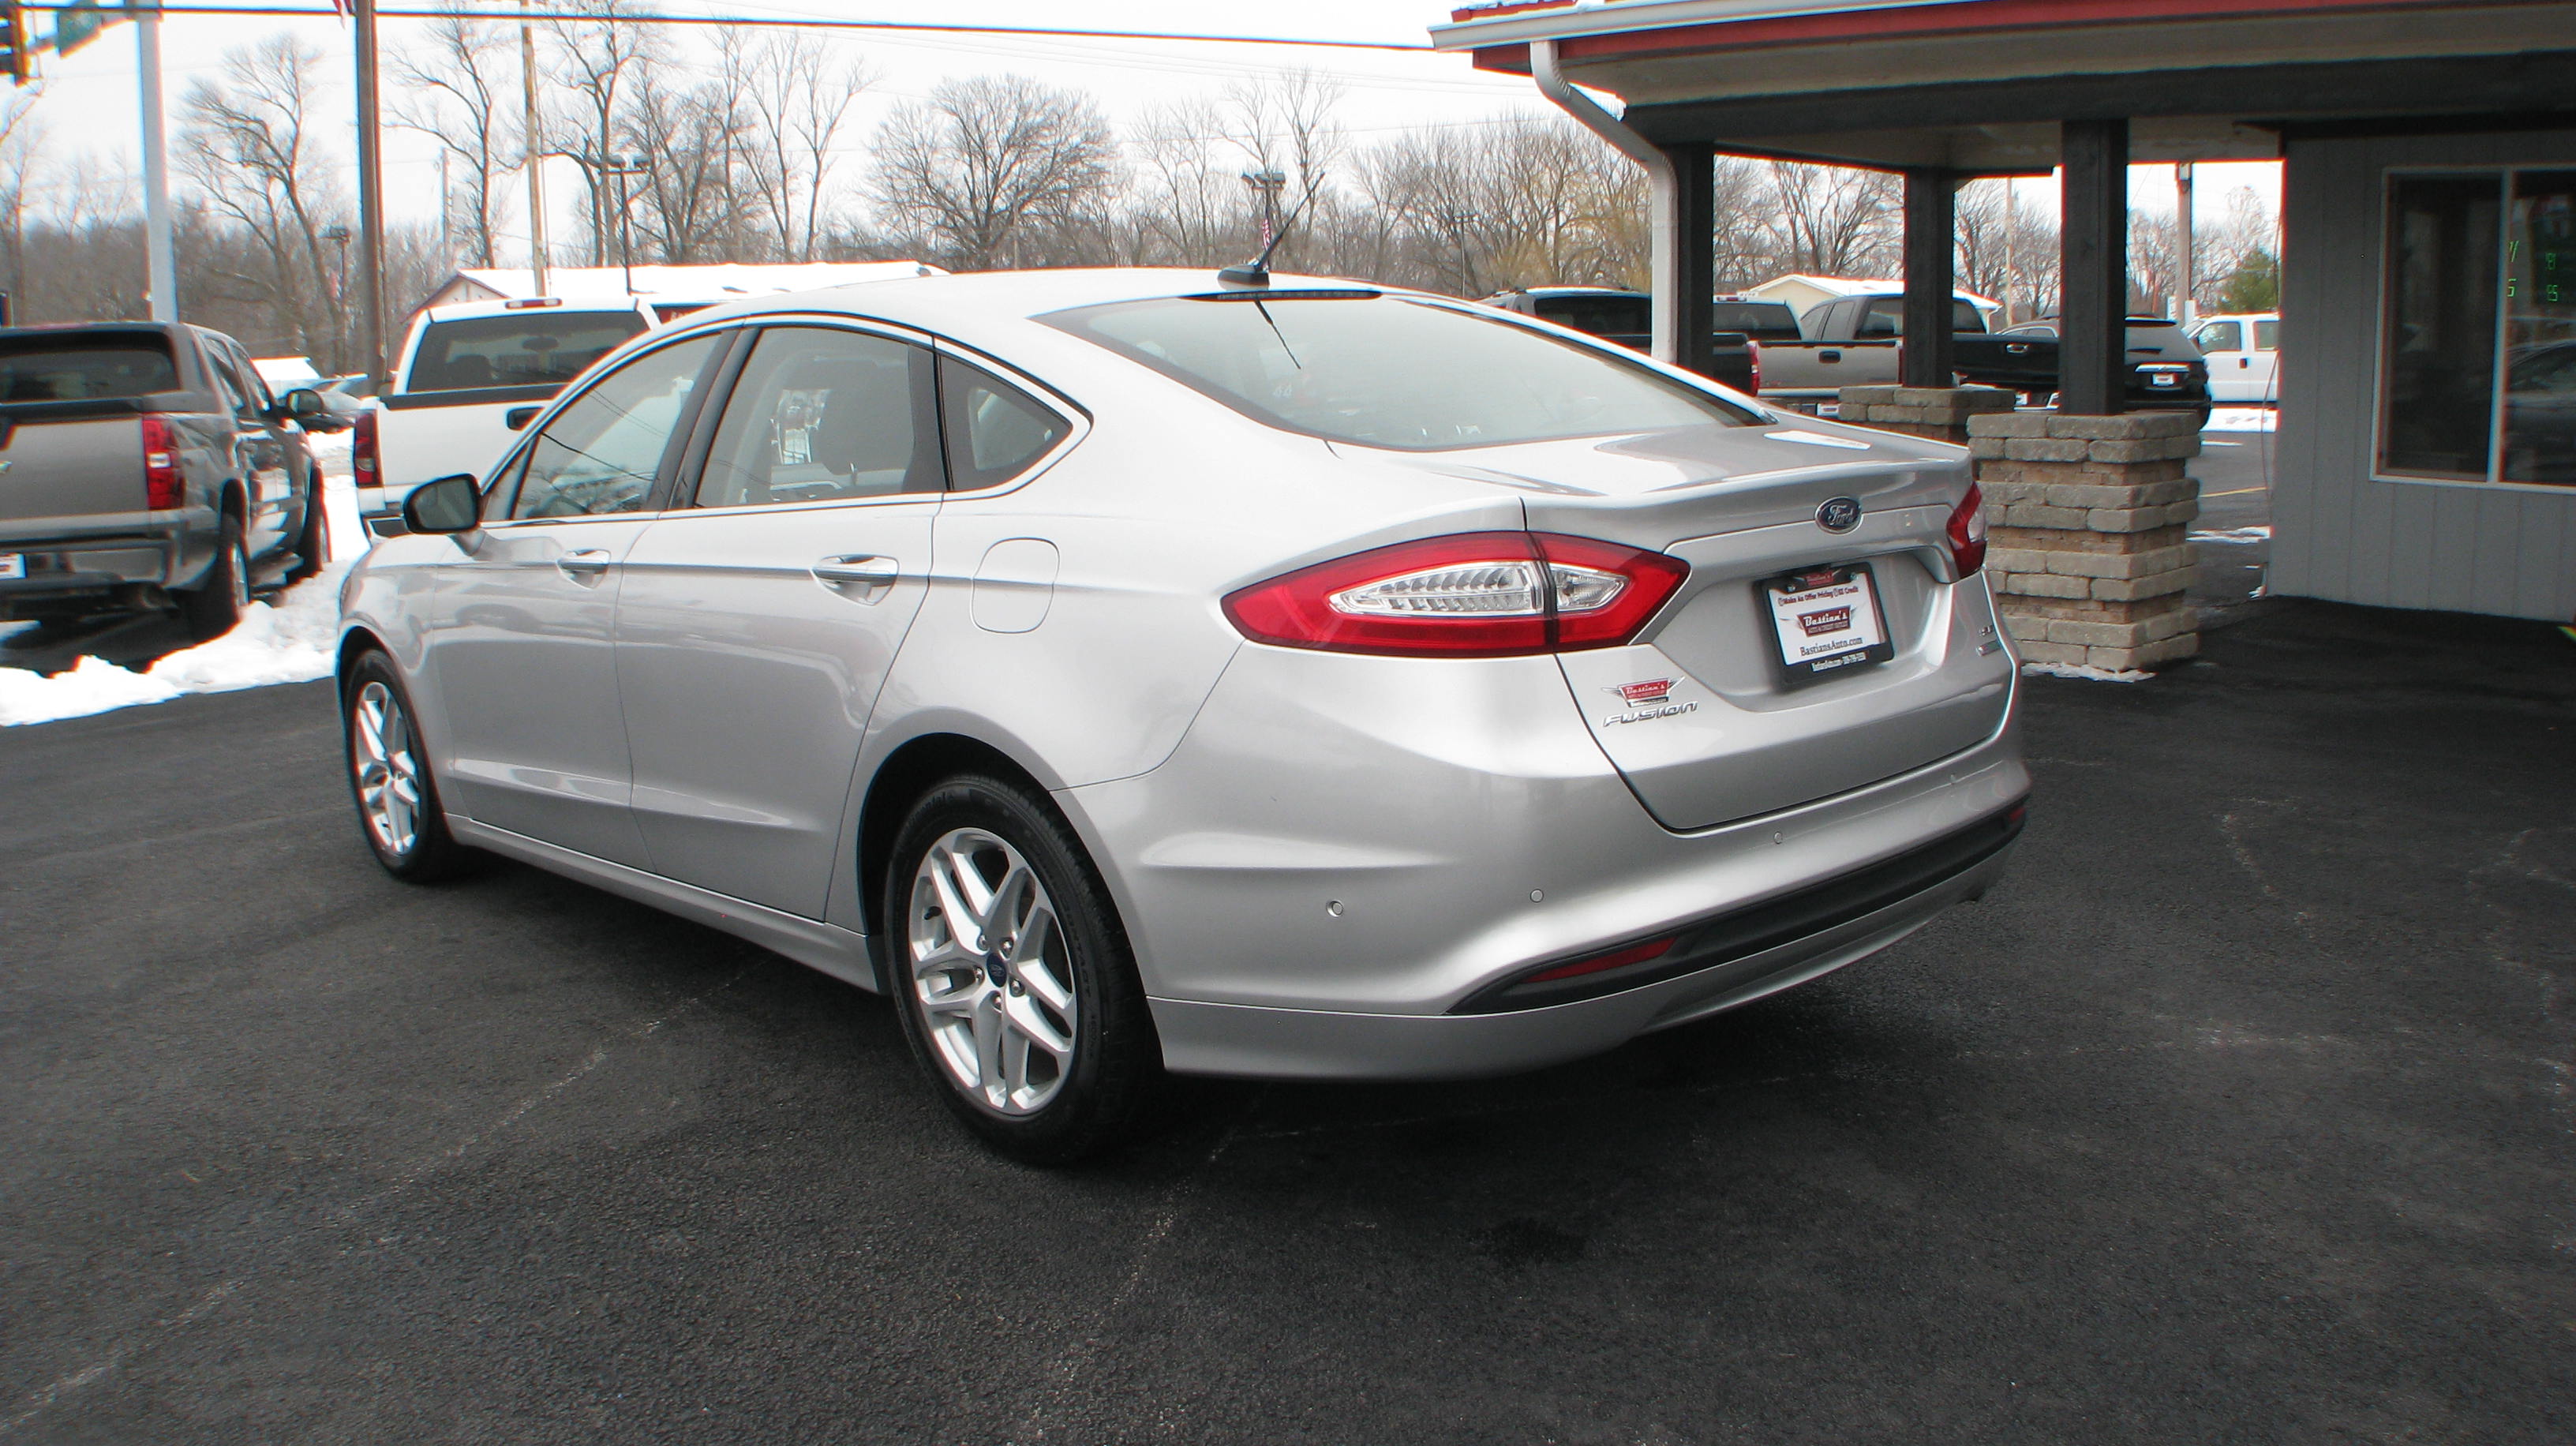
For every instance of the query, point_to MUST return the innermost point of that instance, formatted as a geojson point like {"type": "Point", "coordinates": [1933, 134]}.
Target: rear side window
{"type": "Point", "coordinates": [1599, 315]}
{"type": "Point", "coordinates": [2267, 336]}
{"type": "Point", "coordinates": [1392, 372]}
{"type": "Point", "coordinates": [1887, 317]}
{"type": "Point", "coordinates": [520, 349]}
{"type": "Point", "coordinates": [823, 415]}
{"type": "Point", "coordinates": [43, 368]}
{"type": "Point", "coordinates": [1761, 320]}
{"type": "Point", "coordinates": [995, 430]}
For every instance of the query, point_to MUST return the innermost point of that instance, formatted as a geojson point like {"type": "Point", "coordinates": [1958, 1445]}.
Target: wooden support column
{"type": "Point", "coordinates": [2092, 324]}
{"type": "Point", "coordinates": [1694, 253]}
{"type": "Point", "coordinates": [1931, 240]}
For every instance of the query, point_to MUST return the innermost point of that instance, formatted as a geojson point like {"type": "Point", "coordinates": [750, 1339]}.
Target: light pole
{"type": "Point", "coordinates": [621, 167]}
{"type": "Point", "coordinates": [1265, 187]}
{"type": "Point", "coordinates": [339, 236]}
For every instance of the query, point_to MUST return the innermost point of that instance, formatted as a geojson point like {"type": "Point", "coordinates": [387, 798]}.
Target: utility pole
{"type": "Point", "coordinates": [2184, 308]}
{"type": "Point", "coordinates": [2012, 248]}
{"type": "Point", "coordinates": [535, 150]}
{"type": "Point", "coordinates": [371, 199]}
{"type": "Point", "coordinates": [161, 265]}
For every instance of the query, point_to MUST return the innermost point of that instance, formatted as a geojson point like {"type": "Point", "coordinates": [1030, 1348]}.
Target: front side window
{"type": "Point", "coordinates": [2221, 336]}
{"type": "Point", "coordinates": [822, 415]}
{"type": "Point", "coordinates": [536, 347]}
{"type": "Point", "coordinates": [602, 452]}
{"type": "Point", "coordinates": [1387, 371]}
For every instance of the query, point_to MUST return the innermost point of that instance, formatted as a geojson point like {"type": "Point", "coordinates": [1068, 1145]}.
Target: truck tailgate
{"type": "Point", "coordinates": [68, 469]}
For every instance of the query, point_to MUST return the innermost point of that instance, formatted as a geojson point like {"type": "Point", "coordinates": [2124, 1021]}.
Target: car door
{"type": "Point", "coordinates": [262, 452]}
{"type": "Point", "coordinates": [2231, 362]}
{"type": "Point", "coordinates": [521, 636]}
{"type": "Point", "coordinates": [761, 614]}
{"type": "Point", "coordinates": [2266, 361]}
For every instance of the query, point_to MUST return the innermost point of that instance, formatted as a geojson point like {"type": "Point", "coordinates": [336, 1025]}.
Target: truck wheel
{"type": "Point", "coordinates": [1013, 977]}
{"type": "Point", "coordinates": [313, 539]}
{"type": "Point", "coordinates": [389, 778]}
{"type": "Point", "coordinates": [212, 607]}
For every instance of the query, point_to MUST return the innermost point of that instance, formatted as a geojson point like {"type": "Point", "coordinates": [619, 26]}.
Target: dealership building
{"type": "Point", "coordinates": [2426, 455]}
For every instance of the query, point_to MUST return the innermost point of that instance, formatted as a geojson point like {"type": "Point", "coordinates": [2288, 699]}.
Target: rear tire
{"type": "Point", "coordinates": [313, 539]}
{"type": "Point", "coordinates": [212, 607]}
{"type": "Point", "coordinates": [1012, 974]}
{"type": "Point", "coordinates": [389, 778]}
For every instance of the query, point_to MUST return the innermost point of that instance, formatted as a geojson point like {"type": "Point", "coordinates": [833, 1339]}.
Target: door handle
{"type": "Point", "coordinates": [1829, 356]}
{"type": "Point", "coordinates": [583, 566]}
{"type": "Point", "coordinates": [860, 576]}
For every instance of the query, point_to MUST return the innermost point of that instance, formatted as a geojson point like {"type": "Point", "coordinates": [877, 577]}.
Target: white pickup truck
{"type": "Point", "coordinates": [463, 370]}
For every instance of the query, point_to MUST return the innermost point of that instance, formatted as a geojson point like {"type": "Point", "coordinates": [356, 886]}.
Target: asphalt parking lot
{"type": "Point", "coordinates": [2244, 1111]}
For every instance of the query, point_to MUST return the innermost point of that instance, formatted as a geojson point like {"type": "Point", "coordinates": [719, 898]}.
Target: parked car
{"type": "Point", "coordinates": [464, 373]}
{"type": "Point", "coordinates": [2244, 354]}
{"type": "Point", "coordinates": [147, 465]}
{"type": "Point", "coordinates": [1626, 317]}
{"type": "Point", "coordinates": [1855, 341]}
{"type": "Point", "coordinates": [1130, 672]}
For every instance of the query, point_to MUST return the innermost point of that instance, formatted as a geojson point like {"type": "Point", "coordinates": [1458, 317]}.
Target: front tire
{"type": "Point", "coordinates": [389, 778]}
{"type": "Point", "coordinates": [1012, 975]}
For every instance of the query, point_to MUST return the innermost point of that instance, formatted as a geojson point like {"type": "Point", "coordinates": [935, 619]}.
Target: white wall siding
{"type": "Point", "coordinates": [2336, 533]}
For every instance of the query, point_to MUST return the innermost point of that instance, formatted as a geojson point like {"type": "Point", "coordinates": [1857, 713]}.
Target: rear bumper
{"type": "Point", "coordinates": [64, 572]}
{"type": "Point", "coordinates": [1226, 1039]}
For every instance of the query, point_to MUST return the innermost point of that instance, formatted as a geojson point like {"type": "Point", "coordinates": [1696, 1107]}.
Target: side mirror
{"type": "Point", "coordinates": [518, 418]}
{"type": "Point", "coordinates": [304, 404]}
{"type": "Point", "coordinates": [450, 504]}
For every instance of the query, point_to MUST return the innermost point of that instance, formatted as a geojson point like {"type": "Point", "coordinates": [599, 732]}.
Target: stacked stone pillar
{"type": "Point", "coordinates": [1940, 413]}
{"type": "Point", "coordinates": [2086, 544]}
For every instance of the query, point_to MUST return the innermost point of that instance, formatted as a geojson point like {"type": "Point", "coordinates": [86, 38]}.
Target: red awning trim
{"type": "Point", "coordinates": [1966, 17]}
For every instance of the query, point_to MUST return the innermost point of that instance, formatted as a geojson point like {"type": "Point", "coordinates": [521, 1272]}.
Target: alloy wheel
{"type": "Point", "coordinates": [991, 973]}
{"type": "Point", "coordinates": [388, 768]}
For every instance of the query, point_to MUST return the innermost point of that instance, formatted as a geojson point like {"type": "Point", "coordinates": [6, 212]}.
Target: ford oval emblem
{"type": "Point", "coordinates": [1838, 514]}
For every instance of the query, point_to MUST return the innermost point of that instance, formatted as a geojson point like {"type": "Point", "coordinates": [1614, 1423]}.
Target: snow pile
{"type": "Point", "coordinates": [2241, 419]}
{"type": "Point", "coordinates": [2090, 675]}
{"type": "Point", "coordinates": [288, 642]}
{"type": "Point", "coordinates": [2235, 534]}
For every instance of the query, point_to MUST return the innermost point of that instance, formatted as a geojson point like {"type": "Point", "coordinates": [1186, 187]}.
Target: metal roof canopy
{"type": "Point", "coordinates": [1982, 87]}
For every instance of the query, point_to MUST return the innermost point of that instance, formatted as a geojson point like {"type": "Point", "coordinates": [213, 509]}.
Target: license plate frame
{"type": "Point", "coordinates": [1800, 606]}
{"type": "Point", "coordinates": [13, 566]}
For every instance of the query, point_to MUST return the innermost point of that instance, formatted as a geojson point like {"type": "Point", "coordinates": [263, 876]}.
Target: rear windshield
{"type": "Point", "coordinates": [1390, 372]}
{"type": "Point", "coordinates": [519, 349]}
{"type": "Point", "coordinates": [1599, 315]}
{"type": "Point", "coordinates": [74, 368]}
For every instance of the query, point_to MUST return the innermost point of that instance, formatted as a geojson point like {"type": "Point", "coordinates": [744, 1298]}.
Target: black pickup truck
{"type": "Point", "coordinates": [1625, 317]}
{"type": "Point", "coordinates": [1854, 340]}
{"type": "Point", "coordinates": [145, 464]}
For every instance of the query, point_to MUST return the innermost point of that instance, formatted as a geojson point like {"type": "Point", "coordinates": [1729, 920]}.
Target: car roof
{"type": "Point", "coordinates": [461, 310]}
{"type": "Point", "coordinates": [940, 303]}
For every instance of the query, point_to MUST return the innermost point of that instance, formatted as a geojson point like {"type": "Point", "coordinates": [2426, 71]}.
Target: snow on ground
{"type": "Point", "coordinates": [2259, 533]}
{"type": "Point", "coordinates": [286, 641]}
{"type": "Point", "coordinates": [2078, 670]}
{"type": "Point", "coordinates": [2242, 419]}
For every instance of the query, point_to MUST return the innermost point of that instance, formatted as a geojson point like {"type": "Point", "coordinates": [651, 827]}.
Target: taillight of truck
{"type": "Point", "coordinates": [162, 487]}
{"type": "Point", "coordinates": [362, 450]}
{"type": "Point", "coordinates": [1753, 350]}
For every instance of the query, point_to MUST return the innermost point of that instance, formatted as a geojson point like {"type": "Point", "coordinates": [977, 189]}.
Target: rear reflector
{"type": "Point", "coordinates": [1468, 595]}
{"type": "Point", "coordinates": [163, 487]}
{"type": "Point", "coordinates": [1598, 963]}
{"type": "Point", "coordinates": [1967, 532]}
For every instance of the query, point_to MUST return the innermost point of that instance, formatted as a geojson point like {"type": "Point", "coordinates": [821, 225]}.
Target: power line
{"type": "Point", "coordinates": [779, 21]}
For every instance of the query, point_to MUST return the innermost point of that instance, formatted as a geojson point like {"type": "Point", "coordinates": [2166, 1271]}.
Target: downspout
{"type": "Point", "coordinates": [1663, 205]}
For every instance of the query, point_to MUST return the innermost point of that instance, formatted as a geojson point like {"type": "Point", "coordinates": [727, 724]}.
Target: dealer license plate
{"type": "Point", "coordinates": [13, 564]}
{"type": "Point", "coordinates": [1827, 621]}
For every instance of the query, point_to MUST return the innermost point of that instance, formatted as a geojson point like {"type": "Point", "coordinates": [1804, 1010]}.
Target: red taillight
{"type": "Point", "coordinates": [1601, 963]}
{"type": "Point", "coordinates": [1753, 350]}
{"type": "Point", "coordinates": [1468, 595]}
{"type": "Point", "coordinates": [362, 450]}
{"type": "Point", "coordinates": [162, 488]}
{"type": "Point", "coordinates": [1968, 533]}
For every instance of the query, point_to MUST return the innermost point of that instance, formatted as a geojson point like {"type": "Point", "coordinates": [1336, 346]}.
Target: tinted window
{"type": "Point", "coordinates": [1390, 372]}
{"type": "Point", "coordinates": [2437, 407]}
{"type": "Point", "coordinates": [821, 414]}
{"type": "Point", "coordinates": [1887, 317]}
{"type": "Point", "coordinates": [995, 430]}
{"type": "Point", "coordinates": [43, 368]}
{"type": "Point", "coordinates": [1761, 320]}
{"type": "Point", "coordinates": [2221, 336]}
{"type": "Point", "coordinates": [603, 450]}
{"type": "Point", "coordinates": [519, 349]}
{"type": "Point", "coordinates": [1599, 315]}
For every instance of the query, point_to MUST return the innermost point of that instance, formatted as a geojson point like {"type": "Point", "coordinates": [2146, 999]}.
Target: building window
{"type": "Point", "coordinates": [2478, 328]}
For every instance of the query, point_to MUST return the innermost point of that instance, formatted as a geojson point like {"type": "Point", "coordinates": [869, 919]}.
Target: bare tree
{"type": "Point", "coordinates": [986, 167]}
{"type": "Point", "coordinates": [1189, 206]}
{"type": "Point", "coordinates": [459, 89]}
{"type": "Point", "coordinates": [687, 136]}
{"type": "Point", "coordinates": [1833, 220]}
{"type": "Point", "coordinates": [248, 144]}
{"type": "Point", "coordinates": [596, 58]}
{"type": "Point", "coordinates": [795, 100]}
{"type": "Point", "coordinates": [21, 138]}
{"type": "Point", "coordinates": [1283, 124]}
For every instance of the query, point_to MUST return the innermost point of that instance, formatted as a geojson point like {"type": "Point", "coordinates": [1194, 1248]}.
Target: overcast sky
{"type": "Point", "coordinates": [89, 109]}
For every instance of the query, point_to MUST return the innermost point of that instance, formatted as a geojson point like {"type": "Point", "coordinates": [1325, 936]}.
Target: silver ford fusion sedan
{"type": "Point", "coordinates": [1134, 671]}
